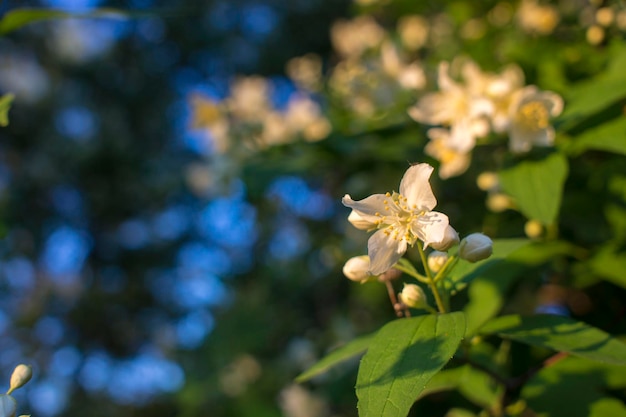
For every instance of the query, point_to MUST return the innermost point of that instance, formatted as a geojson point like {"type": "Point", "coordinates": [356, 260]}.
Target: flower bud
{"type": "Point", "coordinates": [450, 238]}
{"type": "Point", "coordinates": [436, 260]}
{"type": "Point", "coordinates": [21, 375]}
{"type": "Point", "coordinates": [357, 269]}
{"type": "Point", "coordinates": [358, 221]}
{"type": "Point", "coordinates": [8, 406]}
{"type": "Point", "coordinates": [413, 296]}
{"type": "Point", "coordinates": [533, 229]}
{"type": "Point", "coordinates": [475, 247]}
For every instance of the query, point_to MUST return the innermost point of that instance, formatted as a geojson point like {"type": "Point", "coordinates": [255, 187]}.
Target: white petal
{"type": "Point", "coordinates": [416, 188]}
{"type": "Point", "coordinates": [8, 406]}
{"type": "Point", "coordinates": [431, 228]}
{"type": "Point", "coordinates": [444, 81]}
{"type": "Point", "coordinates": [361, 222]}
{"type": "Point", "coordinates": [368, 207]}
{"type": "Point", "coordinates": [384, 252]}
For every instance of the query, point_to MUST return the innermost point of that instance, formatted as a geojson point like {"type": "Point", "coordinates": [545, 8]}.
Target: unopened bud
{"type": "Point", "coordinates": [450, 238]}
{"type": "Point", "coordinates": [487, 181]}
{"type": "Point", "coordinates": [436, 260]}
{"type": "Point", "coordinates": [533, 229]}
{"type": "Point", "coordinates": [357, 269]}
{"type": "Point", "coordinates": [358, 221]}
{"type": "Point", "coordinates": [475, 247]}
{"type": "Point", "coordinates": [21, 375]}
{"type": "Point", "coordinates": [413, 296]}
{"type": "Point", "coordinates": [8, 406]}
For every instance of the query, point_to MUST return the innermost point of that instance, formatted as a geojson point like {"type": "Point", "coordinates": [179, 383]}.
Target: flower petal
{"type": "Point", "coordinates": [416, 188]}
{"type": "Point", "coordinates": [369, 206]}
{"type": "Point", "coordinates": [361, 222]}
{"type": "Point", "coordinates": [431, 228]}
{"type": "Point", "coordinates": [384, 251]}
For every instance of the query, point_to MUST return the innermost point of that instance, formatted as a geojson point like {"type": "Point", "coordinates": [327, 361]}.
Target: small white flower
{"type": "Point", "coordinates": [401, 218]}
{"type": "Point", "coordinates": [452, 161]}
{"type": "Point", "coordinates": [476, 247]}
{"type": "Point", "coordinates": [530, 118]}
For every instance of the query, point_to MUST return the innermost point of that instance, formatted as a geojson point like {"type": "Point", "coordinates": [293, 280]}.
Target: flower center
{"type": "Point", "coordinates": [398, 218]}
{"type": "Point", "coordinates": [533, 116]}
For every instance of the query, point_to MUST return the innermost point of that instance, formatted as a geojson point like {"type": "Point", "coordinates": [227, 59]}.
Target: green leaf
{"type": "Point", "coordinates": [475, 385]}
{"type": "Point", "coordinates": [593, 95]}
{"type": "Point", "coordinates": [402, 358]}
{"type": "Point", "coordinates": [446, 380]}
{"type": "Point", "coordinates": [562, 334]}
{"type": "Point", "coordinates": [575, 386]}
{"type": "Point", "coordinates": [610, 264]}
{"type": "Point", "coordinates": [464, 272]}
{"type": "Point", "coordinates": [479, 388]}
{"type": "Point", "coordinates": [537, 186]}
{"type": "Point", "coordinates": [17, 18]}
{"type": "Point", "coordinates": [337, 356]}
{"type": "Point", "coordinates": [5, 105]}
{"type": "Point", "coordinates": [488, 290]}
{"type": "Point", "coordinates": [609, 136]}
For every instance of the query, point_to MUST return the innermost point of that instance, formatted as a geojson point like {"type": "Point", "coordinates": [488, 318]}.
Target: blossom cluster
{"type": "Point", "coordinates": [248, 118]}
{"type": "Point", "coordinates": [481, 103]}
{"type": "Point", "coordinates": [375, 76]}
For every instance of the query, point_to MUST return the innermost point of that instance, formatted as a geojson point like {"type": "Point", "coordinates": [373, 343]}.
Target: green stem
{"type": "Point", "coordinates": [431, 282]}
{"type": "Point", "coordinates": [412, 273]}
{"type": "Point", "coordinates": [452, 260]}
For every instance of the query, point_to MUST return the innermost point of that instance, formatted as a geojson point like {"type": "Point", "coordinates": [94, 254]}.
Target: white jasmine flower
{"type": "Point", "coordinates": [530, 115]}
{"type": "Point", "coordinates": [401, 218]}
{"type": "Point", "coordinates": [456, 106]}
{"type": "Point", "coordinates": [452, 161]}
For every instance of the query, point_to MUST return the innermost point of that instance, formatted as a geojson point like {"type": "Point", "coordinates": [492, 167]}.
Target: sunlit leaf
{"type": "Point", "coordinates": [560, 333]}
{"type": "Point", "coordinates": [473, 384]}
{"type": "Point", "coordinates": [609, 136]}
{"type": "Point", "coordinates": [5, 105]}
{"type": "Point", "coordinates": [537, 186]}
{"type": "Point", "coordinates": [479, 388]}
{"type": "Point", "coordinates": [17, 18]}
{"type": "Point", "coordinates": [349, 350]}
{"type": "Point", "coordinates": [610, 264]}
{"type": "Point", "coordinates": [593, 95]}
{"type": "Point", "coordinates": [574, 384]}
{"type": "Point", "coordinates": [402, 358]}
